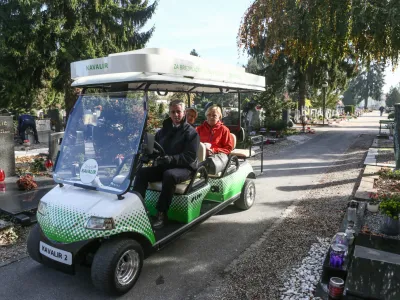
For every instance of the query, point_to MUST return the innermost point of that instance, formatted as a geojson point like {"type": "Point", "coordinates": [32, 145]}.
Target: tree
{"type": "Point", "coordinates": [194, 53]}
{"type": "Point", "coordinates": [322, 33]}
{"type": "Point", "coordinates": [368, 83]}
{"type": "Point", "coordinates": [24, 55]}
{"type": "Point", "coordinates": [46, 36]}
{"type": "Point", "coordinates": [393, 97]}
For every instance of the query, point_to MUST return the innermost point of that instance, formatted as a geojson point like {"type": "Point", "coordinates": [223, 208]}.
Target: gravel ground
{"type": "Point", "coordinates": [17, 250]}
{"type": "Point", "coordinates": [385, 157]}
{"type": "Point", "coordinates": [260, 271]}
{"type": "Point", "coordinates": [374, 222]}
{"type": "Point", "coordinates": [383, 143]}
{"type": "Point", "coordinates": [303, 280]}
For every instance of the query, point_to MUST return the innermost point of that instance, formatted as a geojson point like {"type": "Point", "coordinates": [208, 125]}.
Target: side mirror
{"type": "Point", "coordinates": [148, 145]}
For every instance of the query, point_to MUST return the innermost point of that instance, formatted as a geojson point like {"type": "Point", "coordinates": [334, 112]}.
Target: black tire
{"type": "Point", "coordinates": [248, 195]}
{"type": "Point", "coordinates": [105, 265]}
{"type": "Point", "coordinates": [33, 243]}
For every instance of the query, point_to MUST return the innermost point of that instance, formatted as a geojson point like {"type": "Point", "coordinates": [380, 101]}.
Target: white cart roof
{"type": "Point", "coordinates": [165, 70]}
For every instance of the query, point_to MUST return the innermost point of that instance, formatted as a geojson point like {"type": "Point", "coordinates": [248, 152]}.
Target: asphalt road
{"type": "Point", "coordinates": [185, 267]}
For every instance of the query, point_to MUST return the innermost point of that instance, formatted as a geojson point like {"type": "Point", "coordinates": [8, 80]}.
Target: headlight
{"type": "Point", "coordinates": [98, 223]}
{"type": "Point", "coordinates": [42, 208]}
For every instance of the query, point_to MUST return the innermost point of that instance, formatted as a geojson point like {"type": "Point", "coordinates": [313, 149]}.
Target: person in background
{"type": "Point", "coordinates": [381, 109]}
{"type": "Point", "coordinates": [191, 115]}
{"type": "Point", "coordinates": [24, 122]}
{"type": "Point", "coordinates": [180, 143]}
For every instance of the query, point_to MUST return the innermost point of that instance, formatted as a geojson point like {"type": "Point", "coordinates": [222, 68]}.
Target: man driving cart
{"type": "Point", "coordinates": [180, 142]}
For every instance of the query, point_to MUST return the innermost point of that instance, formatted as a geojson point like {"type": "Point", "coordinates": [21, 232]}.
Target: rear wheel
{"type": "Point", "coordinates": [33, 243]}
{"type": "Point", "coordinates": [248, 195]}
{"type": "Point", "coordinates": [117, 265]}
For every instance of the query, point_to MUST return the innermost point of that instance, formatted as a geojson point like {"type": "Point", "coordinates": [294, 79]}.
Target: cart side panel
{"type": "Point", "coordinates": [184, 208]}
{"type": "Point", "coordinates": [225, 188]}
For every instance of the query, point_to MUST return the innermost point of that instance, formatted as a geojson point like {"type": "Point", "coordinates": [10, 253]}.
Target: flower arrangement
{"type": "Point", "coordinates": [374, 198]}
{"type": "Point", "coordinates": [26, 183]}
{"type": "Point", "coordinates": [373, 203]}
{"type": "Point", "coordinates": [119, 159]}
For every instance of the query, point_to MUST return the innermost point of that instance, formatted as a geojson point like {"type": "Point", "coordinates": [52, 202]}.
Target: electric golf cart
{"type": "Point", "coordinates": [93, 215]}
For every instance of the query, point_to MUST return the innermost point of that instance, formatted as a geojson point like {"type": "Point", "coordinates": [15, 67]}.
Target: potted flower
{"type": "Point", "coordinates": [373, 203]}
{"type": "Point", "coordinates": [390, 208]}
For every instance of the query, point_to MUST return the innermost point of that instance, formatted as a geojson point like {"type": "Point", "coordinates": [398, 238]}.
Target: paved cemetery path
{"type": "Point", "coordinates": [184, 268]}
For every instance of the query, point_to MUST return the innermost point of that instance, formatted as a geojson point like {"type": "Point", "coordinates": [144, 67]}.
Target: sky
{"type": "Point", "coordinates": [210, 27]}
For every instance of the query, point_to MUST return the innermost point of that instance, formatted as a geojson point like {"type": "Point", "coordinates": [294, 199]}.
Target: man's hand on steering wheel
{"type": "Point", "coordinates": [163, 160]}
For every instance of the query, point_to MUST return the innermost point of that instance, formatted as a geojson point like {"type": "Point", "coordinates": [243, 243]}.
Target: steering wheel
{"type": "Point", "coordinates": [158, 150]}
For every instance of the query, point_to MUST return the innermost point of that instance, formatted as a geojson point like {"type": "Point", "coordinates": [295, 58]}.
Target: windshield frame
{"type": "Point", "coordinates": [135, 162]}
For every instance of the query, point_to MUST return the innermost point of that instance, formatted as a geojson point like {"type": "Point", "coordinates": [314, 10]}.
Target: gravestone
{"type": "Point", "coordinates": [7, 157]}
{"type": "Point", "coordinates": [286, 115]}
{"type": "Point", "coordinates": [43, 129]}
{"type": "Point", "coordinates": [374, 271]}
{"type": "Point", "coordinates": [54, 146]}
{"type": "Point", "coordinates": [56, 119]}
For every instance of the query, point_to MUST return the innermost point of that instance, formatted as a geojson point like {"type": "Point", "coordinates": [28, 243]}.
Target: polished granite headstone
{"type": "Point", "coordinates": [14, 201]}
{"type": "Point", "coordinates": [374, 272]}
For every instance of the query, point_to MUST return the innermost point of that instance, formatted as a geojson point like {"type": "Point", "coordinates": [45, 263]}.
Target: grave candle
{"type": "Point", "coordinates": [2, 175]}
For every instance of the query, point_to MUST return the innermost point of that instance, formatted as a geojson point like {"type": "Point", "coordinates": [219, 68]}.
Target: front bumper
{"type": "Point", "coordinates": [77, 249]}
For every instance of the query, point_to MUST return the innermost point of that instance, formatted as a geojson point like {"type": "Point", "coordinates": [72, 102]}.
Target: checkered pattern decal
{"type": "Point", "coordinates": [184, 208]}
{"type": "Point", "coordinates": [230, 185]}
{"type": "Point", "coordinates": [67, 225]}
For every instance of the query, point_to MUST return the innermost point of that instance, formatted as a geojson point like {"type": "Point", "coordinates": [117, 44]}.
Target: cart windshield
{"type": "Point", "coordinates": [101, 141]}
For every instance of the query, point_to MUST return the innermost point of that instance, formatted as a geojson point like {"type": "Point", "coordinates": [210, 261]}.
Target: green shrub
{"type": "Point", "coordinates": [391, 115]}
{"type": "Point", "coordinates": [37, 166]}
{"type": "Point", "coordinates": [349, 109]}
{"type": "Point", "coordinates": [389, 174]}
{"type": "Point", "coordinates": [277, 125]}
{"type": "Point", "coordinates": [390, 207]}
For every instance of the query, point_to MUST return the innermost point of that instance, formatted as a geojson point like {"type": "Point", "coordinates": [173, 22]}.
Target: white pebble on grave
{"type": "Point", "coordinates": [302, 280]}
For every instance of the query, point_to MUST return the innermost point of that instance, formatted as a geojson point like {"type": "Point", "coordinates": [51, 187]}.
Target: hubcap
{"type": "Point", "coordinates": [250, 195]}
{"type": "Point", "coordinates": [127, 267]}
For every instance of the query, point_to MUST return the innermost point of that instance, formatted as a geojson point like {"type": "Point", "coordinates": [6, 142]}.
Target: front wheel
{"type": "Point", "coordinates": [248, 195]}
{"type": "Point", "coordinates": [33, 244]}
{"type": "Point", "coordinates": [117, 265]}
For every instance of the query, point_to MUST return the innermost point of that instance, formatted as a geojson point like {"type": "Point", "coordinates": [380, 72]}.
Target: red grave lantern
{"type": "Point", "coordinates": [2, 186]}
{"type": "Point", "coordinates": [2, 175]}
{"type": "Point", "coordinates": [48, 164]}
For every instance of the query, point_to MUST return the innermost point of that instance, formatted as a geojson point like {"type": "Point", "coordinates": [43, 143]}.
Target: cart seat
{"type": "Point", "coordinates": [241, 153]}
{"type": "Point", "coordinates": [251, 151]}
{"type": "Point", "coordinates": [181, 188]}
{"type": "Point", "coordinates": [231, 168]}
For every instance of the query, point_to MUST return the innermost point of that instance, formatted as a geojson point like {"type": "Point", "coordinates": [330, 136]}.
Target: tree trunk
{"type": "Point", "coordinates": [302, 90]}
{"type": "Point", "coordinates": [71, 95]}
{"type": "Point", "coordinates": [366, 92]}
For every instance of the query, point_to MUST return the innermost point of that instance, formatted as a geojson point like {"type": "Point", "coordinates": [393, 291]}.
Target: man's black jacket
{"type": "Point", "coordinates": [181, 143]}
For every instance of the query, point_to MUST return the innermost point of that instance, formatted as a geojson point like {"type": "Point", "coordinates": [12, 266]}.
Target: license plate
{"type": "Point", "coordinates": [61, 256]}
